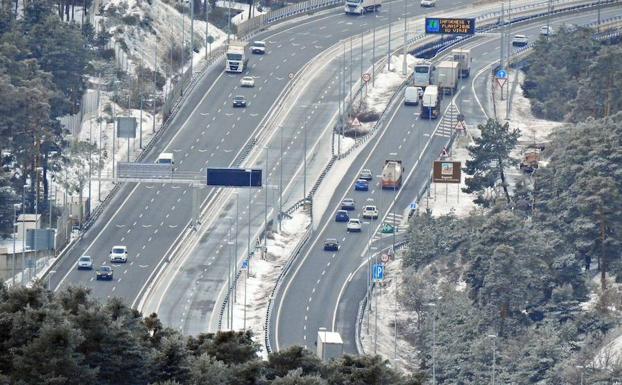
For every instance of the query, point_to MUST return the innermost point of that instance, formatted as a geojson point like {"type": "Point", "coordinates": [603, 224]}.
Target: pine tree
{"type": "Point", "coordinates": [489, 157]}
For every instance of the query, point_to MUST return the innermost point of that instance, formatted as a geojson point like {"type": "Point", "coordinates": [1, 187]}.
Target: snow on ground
{"type": "Point", "coordinates": [343, 144]}
{"type": "Point", "coordinates": [444, 198]}
{"type": "Point", "coordinates": [263, 275]}
{"type": "Point", "coordinates": [167, 22]}
{"type": "Point", "coordinates": [386, 310]}
{"type": "Point", "coordinates": [242, 16]}
{"type": "Point", "coordinates": [387, 83]}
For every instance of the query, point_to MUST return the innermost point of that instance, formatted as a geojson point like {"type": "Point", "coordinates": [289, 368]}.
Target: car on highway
{"type": "Point", "coordinates": [354, 225]}
{"type": "Point", "coordinates": [247, 81]}
{"type": "Point", "coordinates": [104, 272]}
{"type": "Point", "coordinates": [520, 40]}
{"type": "Point", "coordinates": [370, 212]}
{"type": "Point", "coordinates": [239, 101]}
{"type": "Point", "coordinates": [258, 47]}
{"type": "Point", "coordinates": [342, 216]}
{"type": "Point", "coordinates": [428, 3]}
{"type": "Point", "coordinates": [331, 244]}
{"type": "Point", "coordinates": [366, 174]}
{"type": "Point", "coordinates": [85, 262]}
{"type": "Point", "coordinates": [361, 185]}
{"type": "Point", "coordinates": [547, 30]}
{"type": "Point", "coordinates": [118, 254]}
{"type": "Point", "coordinates": [348, 204]}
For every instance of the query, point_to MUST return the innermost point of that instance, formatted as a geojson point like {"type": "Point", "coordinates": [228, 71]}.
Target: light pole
{"type": "Point", "coordinates": [229, 275]}
{"type": "Point", "coordinates": [248, 243]}
{"type": "Point", "coordinates": [281, 178]}
{"type": "Point", "coordinates": [14, 233]}
{"type": "Point", "coordinates": [404, 63]}
{"type": "Point", "coordinates": [494, 355]}
{"type": "Point", "coordinates": [389, 46]}
{"type": "Point", "coordinates": [432, 304]}
{"type": "Point", "coordinates": [304, 178]}
{"type": "Point", "coordinates": [581, 367]}
{"type": "Point", "coordinates": [23, 234]}
{"type": "Point", "coordinates": [265, 212]}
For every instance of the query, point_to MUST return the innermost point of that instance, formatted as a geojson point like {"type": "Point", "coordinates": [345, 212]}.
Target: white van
{"type": "Point", "coordinates": [166, 158]}
{"type": "Point", "coordinates": [411, 96]}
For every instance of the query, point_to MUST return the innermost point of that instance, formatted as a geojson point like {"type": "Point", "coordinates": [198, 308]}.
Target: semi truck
{"type": "Point", "coordinates": [422, 73]}
{"type": "Point", "coordinates": [463, 56]}
{"type": "Point", "coordinates": [359, 7]}
{"type": "Point", "coordinates": [431, 103]}
{"type": "Point", "coordinates": [236, 56]}
{"type": "Point", "coordinates": [329, 345]}
{"type": "Point", "coordinates": [392, 174]}
{"type": "Point", "coordinates": [448, 72]}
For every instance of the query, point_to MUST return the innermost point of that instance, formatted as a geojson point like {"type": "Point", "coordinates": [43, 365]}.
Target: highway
{"type": "Point", "coordinates": [206, 131]}
{"type": "Point", "coordinates": [318, 292]}
{"type": "Point", "coordinates": [191, 289]}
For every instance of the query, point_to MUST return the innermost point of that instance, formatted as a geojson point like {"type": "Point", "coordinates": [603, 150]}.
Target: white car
{"type": "Point", "coordinates": [258, 47]}
{"type": "Point", "coordinates": [354, 224]}
{"type": "Point", "coordinates": [428, 3]}
{"type": "Point", "coordinates": [85, 262]}
{"type": "Point", "coordinates": [547, 30]}
{"type": "Point", "coordinates": [247, 81]}
{"type": "Point", "coordinates": [118, 254]}
{"type": "Point", "coordinates": [520, 40]}
{"type": "Point", "coordinates": [370, 212]}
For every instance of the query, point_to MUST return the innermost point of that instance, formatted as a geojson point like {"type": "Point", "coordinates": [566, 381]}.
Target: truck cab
{"type": "Point", "coordinates": [236, 59]}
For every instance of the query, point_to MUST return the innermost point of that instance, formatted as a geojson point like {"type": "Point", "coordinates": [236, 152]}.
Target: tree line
{"type": "Point", "coordinates": [71, 338]}
{"type": "Point", "coordinates": [43, 63]}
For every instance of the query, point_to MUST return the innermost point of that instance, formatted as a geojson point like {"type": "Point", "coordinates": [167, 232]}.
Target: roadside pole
{"type": "Point", "coordinates": [404, 62]}
{"type": "Point", "coordinates": [248, 243]}
{"type": "Point", "coordinates": [389, 45]}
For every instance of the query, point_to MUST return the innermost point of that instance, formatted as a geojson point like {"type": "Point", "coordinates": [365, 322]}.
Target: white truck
{"type": "Point", "coordinates": [431, 103]}
{"type": "Point", "coordinates": [236, 56]}
{"type": "Point", "coordinates": [329, 345]}
{"type": "Point", "coordinates": [422, 73]}
{"type": "Point", "coordinates": [463, 56]}
{"type": "Point", "coordinates": [359, 7]}
{"type": "Point", "coordinates": [448, 73]}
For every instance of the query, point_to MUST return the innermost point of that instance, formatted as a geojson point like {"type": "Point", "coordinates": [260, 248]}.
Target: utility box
{"type": "Point", "coordinates": [329, 345]}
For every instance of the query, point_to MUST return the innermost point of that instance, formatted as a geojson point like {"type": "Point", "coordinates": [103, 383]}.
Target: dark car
{"type": "Point", "coordinates": [342, 216]}
{"type": "Point", "coordinates": [239, 101]}
{"type": "Point", "coordinates": [331, 244]}
{"type": "Point", "coordinates": [104, 272]}
{"type": "Point", "coordinates": [361, 185]}
{"type": "Point", "coordinates": [348, 204]}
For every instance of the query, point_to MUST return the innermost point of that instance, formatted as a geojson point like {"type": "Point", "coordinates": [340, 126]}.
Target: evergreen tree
{"type": "Point", "coordinates": [489, 157]}
{"type": "Point", "coordinates": [295, 357]}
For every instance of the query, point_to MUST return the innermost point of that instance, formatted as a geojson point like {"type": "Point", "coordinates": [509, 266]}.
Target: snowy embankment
{"type": "Point", "coordinates": [263, 274]}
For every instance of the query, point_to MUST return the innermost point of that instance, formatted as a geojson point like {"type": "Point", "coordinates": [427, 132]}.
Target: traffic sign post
{"type": "Point", "coordinates": [245, 264]}
{"type": "Point", "coordinates": [378, 272]}
{"type": "Point", "coordinates": [366, 77]}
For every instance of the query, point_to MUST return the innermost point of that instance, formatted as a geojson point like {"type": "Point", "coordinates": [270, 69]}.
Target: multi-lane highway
{"type": "Point", "coordinates": [321, 291]}
{"type": "Point", "coordinates": [149, 218]}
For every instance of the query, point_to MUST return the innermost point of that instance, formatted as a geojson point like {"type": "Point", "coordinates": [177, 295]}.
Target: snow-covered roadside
{"type": "Point", "coordinates": [385, 307]}
{"type": "Point", "coordinates": [443, 198]}
{"type": "Point", "coordinates": [263, 276]}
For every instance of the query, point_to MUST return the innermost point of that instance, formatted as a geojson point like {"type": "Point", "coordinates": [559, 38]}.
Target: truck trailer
{"type": "Point", "coordinates": [430, 103]}
{"type": "Point", "coordinates": [448, 72]}
{"type": "Point", "coordinates": [236, 57]}
{"type": "Point", "coordinates": [329, 345]}
{"type": "Point", "coordinates": [422, 73]}
{"type": "Point", "coordinates": [463, 56]}
{"type": "Point", "coordinates": [392, 174]}
{"type": "Point", "coordinates": [359, 7]}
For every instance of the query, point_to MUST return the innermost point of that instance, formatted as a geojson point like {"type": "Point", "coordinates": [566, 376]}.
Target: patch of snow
{"type": "Point", "coordinates": [384, 308]}
{"type": "Point", "coordinates": [387, 83]}
{"type": "Point", "coordinates": [263, 275]}
{"type": "Point", "coordinates": [444, 198]}
{"type": "Point", "coordinates": [242, 16]}
{"type": "Point", "coordinates": [345, 144]}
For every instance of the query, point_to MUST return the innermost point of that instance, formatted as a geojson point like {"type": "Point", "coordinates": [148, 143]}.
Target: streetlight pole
{"type": "Point", "coordinates": [433, 344]}
{"type": "Point", "coordinates": [304, 178]}
{"type": "Point", "coordinates": [14, 233]}
{"type": "Point", "coordinates": [23, 234]}
{"type": "Point", "coordinates": [389, 46]}
{"type": "Point", "coordinates": [281, 180]}
{"type": "Point", "coordinates": [248, 243]}
{"type": "Point", "coordinates": [265, 212]}
{"type": "Point", "coordinates": [404, 62]}
{"type": "Point", "coordinates": [494, 355]}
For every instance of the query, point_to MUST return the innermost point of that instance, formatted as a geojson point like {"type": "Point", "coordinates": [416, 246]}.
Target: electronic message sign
{"type": "Point", "coordinates": [449, 26]}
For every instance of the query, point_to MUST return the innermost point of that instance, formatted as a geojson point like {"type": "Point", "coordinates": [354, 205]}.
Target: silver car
{"type": "Point", "coordinates": [85, 262]}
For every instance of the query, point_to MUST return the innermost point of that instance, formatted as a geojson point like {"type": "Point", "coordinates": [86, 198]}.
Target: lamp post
{"type": "Point", "coordinates": [494, 355]}
{"type": "Point", "coordinates": [404, 62]}
{"type": "Point", "coordinates": [14, 233]}
{"type": "Point", "coordinates": [248, 243]}
{"type": "Point", "coordinates": [581, 367]}
{"type": "Point", "coordinates": [23, 233]}
{"type": "Point", "coordinates": [432, 304]}
{"type": "Point", "coordinates": [389, 45]}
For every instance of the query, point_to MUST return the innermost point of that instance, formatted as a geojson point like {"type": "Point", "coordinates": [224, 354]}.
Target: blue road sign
{"type": "Point", "coordinates": [378, 272]}
{"type": "Point", "coordinates": [233, 177]}
{"type": "Point", "coordinates": [245, 264]}
{"type": "Point", "coordinates": [502, 74]}
{"type": "Point", "coordinates": [413, 206]}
